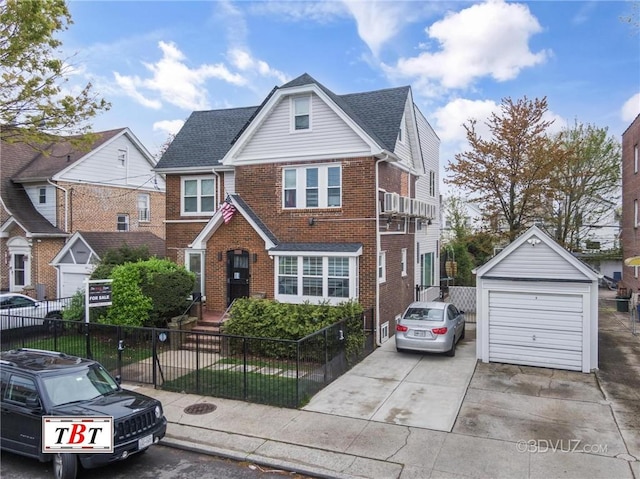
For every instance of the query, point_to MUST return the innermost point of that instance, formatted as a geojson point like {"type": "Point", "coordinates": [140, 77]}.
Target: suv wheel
{"type": "Point", "coordinates": [65, 466]}
{"type": "Point", "coordinates": [53, 324]}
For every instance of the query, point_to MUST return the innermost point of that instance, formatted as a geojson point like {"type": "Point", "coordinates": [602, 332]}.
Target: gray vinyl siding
{"type": "Point", "coordinates": [102, 166]}
{"type": "Point", "coordinates": [48, 209]}
{"type": "Point", "coordinates": [229, 187]}
{"type": "Point", "coordinates": [328, 135]}
{"type": "Point", "coordinates": [546, 264]}
{"type": "Point", "coordinates": [429, 153]}
{"type": "Point", "coordinates": [408, 150]}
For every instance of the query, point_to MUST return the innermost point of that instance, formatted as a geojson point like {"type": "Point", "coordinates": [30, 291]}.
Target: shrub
{"type": "Point", "coordinates": [129, 307]}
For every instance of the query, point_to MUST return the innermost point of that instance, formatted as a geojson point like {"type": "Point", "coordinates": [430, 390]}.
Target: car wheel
{"type": "Point", "coordinates": [452, 351]}
{"type": "Point", "coordinates": [400, 350]}
{"type": "Point", "coordinates": [463, 328]}
{"type": "Point", "coordinates": [65, 466]}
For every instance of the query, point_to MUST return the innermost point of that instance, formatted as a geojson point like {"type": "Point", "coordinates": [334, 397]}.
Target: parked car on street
{"type": "Point", "coordinates": [37, 383]}
{"type": "Point", "coordinates": [433, 327]}
{"type": "Point", "coordinates": [21, 311]}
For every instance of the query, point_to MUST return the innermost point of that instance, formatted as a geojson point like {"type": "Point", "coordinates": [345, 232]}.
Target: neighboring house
{"type": "Point", "coordinates": [321, 198]}
{"type": "Point", "coordinates": [473, 219]}
{"type": "Point", "coordinates": [630, 200]}
{"type": "Point", "coordinates": [52, 191]}
{"type": "Point", "coordinates": [84, 250]}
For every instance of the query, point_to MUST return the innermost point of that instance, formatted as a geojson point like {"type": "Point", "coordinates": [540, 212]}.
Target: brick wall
{"type": "Point", "coordinates": [260, 186]}
{"type": "Point", "coordinates": [630, 193]}
{"type": "Point", "coordinates": [43, 252]}
{"type": "Point", "coordinates": [95, 208]}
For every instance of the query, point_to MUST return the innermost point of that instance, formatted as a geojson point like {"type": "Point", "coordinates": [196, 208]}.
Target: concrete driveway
{"type": "Point", "coordinates": [410, 389]}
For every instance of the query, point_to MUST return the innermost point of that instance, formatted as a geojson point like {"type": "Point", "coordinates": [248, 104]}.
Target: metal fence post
{"type": "Point", "coordinates": [154, 354]}
{"type": "Point", "coordinates": [244, 360]}
{"type": "Point", "coordinates": [326, 356]}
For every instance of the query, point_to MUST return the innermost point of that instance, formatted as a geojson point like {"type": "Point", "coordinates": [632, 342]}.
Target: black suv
{"type": "Point", "coordinates": [38, 383]}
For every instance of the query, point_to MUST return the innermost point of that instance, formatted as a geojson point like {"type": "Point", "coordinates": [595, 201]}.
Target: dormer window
{"type": "Point", "coordinates": [301, 113]}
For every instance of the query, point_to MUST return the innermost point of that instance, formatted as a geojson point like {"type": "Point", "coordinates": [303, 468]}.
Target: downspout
{"type": "Point", "coordinates": [66, 204]}
{"type": "Point", "coordinates": [378, 246]}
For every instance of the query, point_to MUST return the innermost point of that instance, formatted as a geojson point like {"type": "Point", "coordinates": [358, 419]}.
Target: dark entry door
{"type": "Point", "coordinates": [237, 275]}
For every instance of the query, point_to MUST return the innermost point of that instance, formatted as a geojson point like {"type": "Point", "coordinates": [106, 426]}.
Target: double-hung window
{"type": "Point", "coordinates": [301, 113]}
{"type": "Point", "coordinates": [122, 223]}
{"type": "Point", "coordinates": [144, 214]}
{"type": "Point", "coordinates": [42, 195]}
{"type": "Point", "coordinates": [312, 187]}
{"type": "Point", "coordinates": [198, 195]}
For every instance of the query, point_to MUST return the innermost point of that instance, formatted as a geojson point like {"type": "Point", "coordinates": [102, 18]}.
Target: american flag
{"type": "Point", "coordinates": [227, 210]}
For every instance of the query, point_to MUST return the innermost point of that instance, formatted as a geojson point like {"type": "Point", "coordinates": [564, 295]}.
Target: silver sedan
{"type": "Point", "coordinates": [433, 327]}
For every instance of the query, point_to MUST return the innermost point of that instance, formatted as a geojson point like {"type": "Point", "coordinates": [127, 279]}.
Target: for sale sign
{"type": "Point", "coordinates": [77, 434]}
{"type": "Point", "coordinates": [100, 294]}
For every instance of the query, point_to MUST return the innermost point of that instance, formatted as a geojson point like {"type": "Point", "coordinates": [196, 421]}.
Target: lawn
{"type": "Point", "coordinates": [253, 387]}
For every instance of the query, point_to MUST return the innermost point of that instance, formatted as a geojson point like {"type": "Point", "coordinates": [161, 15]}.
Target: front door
{"type": "Point", "coordinates": [237, 275]}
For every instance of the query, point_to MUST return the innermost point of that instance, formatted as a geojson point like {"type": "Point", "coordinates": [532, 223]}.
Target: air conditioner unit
{"type": "Point", "coordinates": [391, 203]}
{"type": "Point", "coordinates": [405, 206]}
{"type": "Point", "coordinates": [423, 210]}
{"type": "Point", "coordinates": [415, 207]}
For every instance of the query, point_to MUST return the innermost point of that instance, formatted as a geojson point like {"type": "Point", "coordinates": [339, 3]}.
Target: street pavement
{"type": "Point", "coordinates": [410, 416]}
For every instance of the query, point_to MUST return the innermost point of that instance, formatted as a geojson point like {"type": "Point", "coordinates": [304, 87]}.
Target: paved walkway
{"type": "Point", "coordinates": [514, 422]}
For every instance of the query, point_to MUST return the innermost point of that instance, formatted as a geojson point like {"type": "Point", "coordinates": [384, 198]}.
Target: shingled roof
{"type": "Point", "coordinates": [103, 241]}
{"type": "Point", "coordinates": [207, 136]}
{"type": "Point", "coordinates": [21, 162]}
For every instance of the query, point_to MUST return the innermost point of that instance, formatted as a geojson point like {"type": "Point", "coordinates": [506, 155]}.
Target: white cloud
{"type": "Point", "coordinates": [321, 12]}
{"type": "Point", "coordinates": [451, 117]}
{"type": "Point", "coordinates": [378, 21]}
{"type": "Point", "coordinates": [175, 82]}
{"type": "Point", "coordinates": [170, 127]}
{"type": "Point", "coordinates": [245, 62]}
{"type": "Point", "coordinates": [130, 84]}
{"type": "Point", "coordinates": [488, 39]}
{"type": "Point", "coordinates": [631, 108]}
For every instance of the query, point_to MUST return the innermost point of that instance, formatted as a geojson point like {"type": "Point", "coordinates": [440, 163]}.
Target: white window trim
{"type": "Point", "coordinates": [635, 213]}
{"type": "Point", "coordinates": [144, 214]}
{"type": "Point", "coordinates": [123, 156]}
{"type": "Point", "coordinates": [382, 267]}
{"type": "Point", "coordinates": [198, 195]}
{"type": "Point", "coordinates": [301, 187]}
{"type": "Point", "coordinates": [292, 106]}
{"type": "Point", "coordinates": [42, 190]}
{"type": "Point", "coordinates": [126, 222]}
{"type": "Point", "coordinates": [403, 262]}
{"type": "Point", "coordinates": [299, 298]}
{"type": "Point", "coordinates": [635, 158]}
{"type": "Point", "coordinates": [187, 266]}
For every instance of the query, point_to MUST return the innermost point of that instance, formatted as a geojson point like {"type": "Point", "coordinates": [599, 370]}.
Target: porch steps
{"type": "Point", "coordinates": [210, 323]}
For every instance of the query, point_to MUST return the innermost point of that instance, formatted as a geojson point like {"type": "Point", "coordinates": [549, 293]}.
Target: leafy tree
{"type": "Point", "coordinates": [586, 184]}
{"type": "Point", "coordinates": [480, 245]}
{"type": "Point", "coordinates": [509, 173]}
{"type": "Point", "coordinates": [148, 293]}
{"type": "Point", "coordinates": [457, 216]}
{"type": "Point", "coordinates": [114, 257]}
{"type": "Point", "coordinates": [32, 93]}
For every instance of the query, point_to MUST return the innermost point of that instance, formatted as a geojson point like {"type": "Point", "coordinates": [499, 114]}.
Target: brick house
{"type": "Point", "coordinates": [52, 191]}
{"type": "Point", "coordinates": [311, 196]}
{"type": "Point", "coordinates": [630, 200]}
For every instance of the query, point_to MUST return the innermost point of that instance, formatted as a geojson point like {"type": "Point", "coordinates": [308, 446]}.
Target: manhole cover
{"type": "Point", "coordinates": [201, 408]}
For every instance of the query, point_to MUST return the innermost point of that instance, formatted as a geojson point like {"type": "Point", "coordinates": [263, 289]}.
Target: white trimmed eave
{"type": "Point", "coordinates": [544, 238]}
{"type": "Point", "coordinates": [72, 241]}
{"type": "Point", "coordinates": [345, 254]}
{"type": "Point", "coordinates": [185, 170]}
{"type": "Point", "coordinates": [200, 243]}
{"type": "Point", "coordinates": [4, 233]}
{"type": "Point", "coordinates": [278, 96]}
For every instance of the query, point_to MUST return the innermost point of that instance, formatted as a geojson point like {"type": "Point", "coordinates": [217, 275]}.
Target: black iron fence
{"type": "Point", "coordinates": [278, 372]}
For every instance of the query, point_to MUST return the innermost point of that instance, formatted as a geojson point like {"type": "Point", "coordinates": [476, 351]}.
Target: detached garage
{"type": "Point", "coordinates": [537, 305]}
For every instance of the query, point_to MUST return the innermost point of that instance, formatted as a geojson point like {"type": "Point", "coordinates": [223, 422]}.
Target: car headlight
{"type": "Point", "coordinates": [158, 412]}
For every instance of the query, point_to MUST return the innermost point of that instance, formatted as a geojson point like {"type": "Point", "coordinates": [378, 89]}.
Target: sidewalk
{"type": "Point", "coordinates": [376, 442]}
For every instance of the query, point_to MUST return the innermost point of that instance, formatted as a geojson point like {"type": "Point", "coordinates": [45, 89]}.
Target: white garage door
{"type": "Point", "coordinates": [72, 282]}
{"type": "Point", "coordinates": [536, 329]}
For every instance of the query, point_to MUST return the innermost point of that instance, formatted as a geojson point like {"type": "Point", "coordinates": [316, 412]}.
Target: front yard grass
{"type": "Point", "coordinates": [261, 388]}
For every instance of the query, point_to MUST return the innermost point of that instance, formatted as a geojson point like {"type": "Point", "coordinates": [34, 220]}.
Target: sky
{"type": "Point", "coordinates": [158, 61]}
